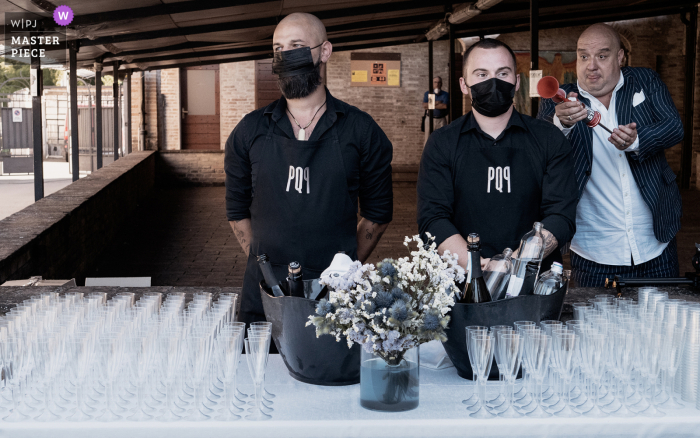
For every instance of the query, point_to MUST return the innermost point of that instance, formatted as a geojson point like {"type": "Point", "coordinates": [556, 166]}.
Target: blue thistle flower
{"type": "Point", "coordinates": [383, 299]}
{"type": "Point", "coordinates": [397, 293]}
{"type": "Point", "coordinates": [399, 311]}
{"type": "Point", "coordinates": [431, 322]}
{"type": "Point", "coordinates": [385, 268]}
{"type": "Point", "coordinates": [324, 307]}
{"type": "Point", "coordinates": [369, 307]}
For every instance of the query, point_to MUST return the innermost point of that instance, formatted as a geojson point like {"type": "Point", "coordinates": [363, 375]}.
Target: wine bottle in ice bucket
{"type": "Point", "coordinates": [497, 274]}
{"type": "Point", "coordinates": [269, 276]}
{"type": "Point", "coordinates": [476, 290]}
{"type": "Point", "coordinates": [529, 259]}
{"type": "Point", "coordinates": [295, 284]}
{"type": "Point", "coordinates": [550, 281]}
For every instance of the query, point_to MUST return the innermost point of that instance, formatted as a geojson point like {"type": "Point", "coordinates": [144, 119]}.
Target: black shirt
{"type": "Point", "coordinates": [366, 151]}
{"type": "Point", "coordinates": [442, 213]}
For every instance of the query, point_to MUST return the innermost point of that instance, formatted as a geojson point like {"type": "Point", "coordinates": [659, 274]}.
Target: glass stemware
{"type": "Point", "coordinates": [483, 346]}
{"type": "Point", "coordinates": [256, 349]}
{"type": "Point", "coordinates": [510, 347]}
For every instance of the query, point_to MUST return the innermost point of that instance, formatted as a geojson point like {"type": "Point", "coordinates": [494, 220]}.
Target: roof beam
{"type": "Point", "coordinates": [267, 56]}
{"type": "Point", "coordinates": [330, 29]}
{"type": "Point", "coordinates": [258, 22]}
{"type": "Point", "coordinates": [552, 18]}
{"type": "Point", "coordinates": [152, 11]}
{"type": "Point", "coordinates": [268, 48]}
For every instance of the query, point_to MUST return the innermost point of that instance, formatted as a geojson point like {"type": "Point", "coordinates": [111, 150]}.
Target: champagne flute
{"type": "Point", "coordinates": [256, 349]}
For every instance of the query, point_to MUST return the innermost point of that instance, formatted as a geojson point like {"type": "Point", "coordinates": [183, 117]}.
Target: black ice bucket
{"type": "Point", "coordinates": [502, 312]}
{"type": "Point", "coordinates": [318, 361]}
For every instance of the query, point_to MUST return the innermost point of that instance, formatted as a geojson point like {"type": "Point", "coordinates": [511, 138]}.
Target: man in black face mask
{"type": "Point", "coordinates": [495, 171]}
{"type": "Point", "coordinates": [296, 169]}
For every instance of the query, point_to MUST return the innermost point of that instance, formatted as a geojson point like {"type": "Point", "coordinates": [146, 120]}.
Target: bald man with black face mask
{"type": "Point", "coordinates": [296, 169]}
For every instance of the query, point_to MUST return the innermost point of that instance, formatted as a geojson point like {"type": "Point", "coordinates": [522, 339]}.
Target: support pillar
{"type": "Point", "coordinates": [37, 140]}
{"type": "Point", "coordinates": [98, 113]}
{"type": "Point", "coordinates": [534, 49]}
{"type": "Point", "coordinates": [128, 111]}
{"type": "Point", "coordinates": [73, 47]}
{"type": "Point", "coordinates": [451, 77]}
{"type": "Point", "coordinates": [430, 83]}
{"type": "Point", "coordinates": [115, 94]}
{"type": "Point", "coordinates": [691, 32]}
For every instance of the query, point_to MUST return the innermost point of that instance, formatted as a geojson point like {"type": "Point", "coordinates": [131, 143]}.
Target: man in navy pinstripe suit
{"type": "Point", "coordinates": [629, 205]}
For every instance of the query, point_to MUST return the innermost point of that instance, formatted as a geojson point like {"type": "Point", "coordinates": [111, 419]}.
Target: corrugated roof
{"type": "Point", "coordinates": [151, 34]}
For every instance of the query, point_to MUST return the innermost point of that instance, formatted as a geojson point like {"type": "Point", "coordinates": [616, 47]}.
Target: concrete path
{"type": "Point", "coordinates": [180, 237]}
{"type": "Point", "coordinates": [17, 191]}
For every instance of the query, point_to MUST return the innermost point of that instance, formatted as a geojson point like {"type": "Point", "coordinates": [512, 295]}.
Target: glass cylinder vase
{"type": "Point", "coordinates": [391, 383]}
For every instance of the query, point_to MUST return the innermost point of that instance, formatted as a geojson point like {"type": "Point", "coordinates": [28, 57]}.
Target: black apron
{"type": "Point", "coordinates": [498, 189]}
{"type": "Point", "coordinates": [301, 211]}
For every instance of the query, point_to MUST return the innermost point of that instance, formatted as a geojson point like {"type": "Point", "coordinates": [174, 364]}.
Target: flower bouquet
{"type": "Point", "coordinates": [390, 309]}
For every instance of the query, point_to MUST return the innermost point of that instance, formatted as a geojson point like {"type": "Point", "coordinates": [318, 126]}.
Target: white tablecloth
{"type": "Point", "coordinates": [302, 410]}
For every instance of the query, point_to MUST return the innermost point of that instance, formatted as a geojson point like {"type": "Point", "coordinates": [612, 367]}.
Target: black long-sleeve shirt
{"type": "Point", "coordinates": [444, 210]}
{"type": "Point", "coordinates": [366, 151]}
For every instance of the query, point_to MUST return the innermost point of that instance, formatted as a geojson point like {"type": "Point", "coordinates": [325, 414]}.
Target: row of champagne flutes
{"type": "Point", "coordinates": [82, 358]}
{"type": "Point", "coordinates": [618, 357]}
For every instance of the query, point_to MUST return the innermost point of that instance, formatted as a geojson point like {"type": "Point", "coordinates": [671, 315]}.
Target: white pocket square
{"type": "Point", "coordinates": [638, 98]}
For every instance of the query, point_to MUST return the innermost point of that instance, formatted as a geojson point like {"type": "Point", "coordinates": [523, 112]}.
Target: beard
{"type": "Point", "coordinates": [300, 86]}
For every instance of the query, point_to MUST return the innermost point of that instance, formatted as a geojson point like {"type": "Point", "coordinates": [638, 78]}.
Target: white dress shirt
{"type": "Point", "coordinates": [614, 225]}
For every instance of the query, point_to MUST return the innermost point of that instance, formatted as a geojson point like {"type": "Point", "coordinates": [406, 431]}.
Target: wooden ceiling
{"type": "Point", "coordinates": [155, 34]}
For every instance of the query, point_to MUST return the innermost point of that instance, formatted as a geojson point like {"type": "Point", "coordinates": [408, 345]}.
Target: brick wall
{"type": "Point", "coordinates": [62, 235]}
{"type": "Point", "coordinates": [398, 111]}
{"type": "Point", "coordinates": [236, 95]}
{"type": "Point", "coordinates": [151, 108]}
{"type": "Point", "coordinates": [190, 167]}
{"type": "Point", "coordinates": [170, 108]}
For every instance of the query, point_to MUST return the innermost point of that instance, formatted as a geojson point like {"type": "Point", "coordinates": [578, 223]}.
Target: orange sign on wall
{"type": "Point", "coordinates": [375, 69]}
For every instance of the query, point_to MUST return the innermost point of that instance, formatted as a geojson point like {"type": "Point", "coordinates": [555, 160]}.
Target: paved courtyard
{"type": "Point", "coordinates": [180, 237]}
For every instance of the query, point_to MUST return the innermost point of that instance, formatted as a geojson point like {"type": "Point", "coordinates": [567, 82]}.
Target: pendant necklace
{"type": "Point", "coordinates": [302, 131]}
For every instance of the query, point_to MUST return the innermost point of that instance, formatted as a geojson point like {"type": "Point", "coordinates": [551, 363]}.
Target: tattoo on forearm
{"type": "Point", "coordinates": [550, 243]}
{"type": "Point", "coordinates": [240, 235]}
{"type": "Point", "coordinates": [370, 232]}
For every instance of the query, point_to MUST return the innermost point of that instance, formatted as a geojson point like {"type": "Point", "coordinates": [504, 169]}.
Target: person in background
{"type": "Point", "coordinates": [442, 105]}
{"type": "Point", "coordinates": [297, 169]}
{"type": "Point", "coordinates": [630, 208]}
{"type": "Point", "coordinates": [495, 171]}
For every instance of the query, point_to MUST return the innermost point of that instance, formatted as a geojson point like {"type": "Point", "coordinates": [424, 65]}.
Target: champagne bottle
{"type": "Point", "coordinates": [475, 291]}
{"type": "Point", "coordinates": [269, 276]}
{"type": "Point", "coordinates": [295, 284]}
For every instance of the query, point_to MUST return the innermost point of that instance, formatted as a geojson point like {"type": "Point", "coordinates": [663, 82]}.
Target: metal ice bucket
{"type": "Point", "coordinates": [318, 361]}
{"type": "Point", "coordinates": [502, 312]}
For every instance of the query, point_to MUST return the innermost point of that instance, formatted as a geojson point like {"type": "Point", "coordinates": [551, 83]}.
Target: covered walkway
{"type": "Point", "coordinates": [180, 237]}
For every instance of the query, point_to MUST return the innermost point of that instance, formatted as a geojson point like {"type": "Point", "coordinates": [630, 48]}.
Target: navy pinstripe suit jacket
{"type": "Point", "coordinates": [658, 126]}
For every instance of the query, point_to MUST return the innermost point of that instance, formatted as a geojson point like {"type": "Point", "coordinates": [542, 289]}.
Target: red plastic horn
{"type": "Point", "coordinates": [548, 88]}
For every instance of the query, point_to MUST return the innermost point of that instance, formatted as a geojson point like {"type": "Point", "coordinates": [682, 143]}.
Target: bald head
{"type": "Point", "coordinates": [602, 32]}
{"type": "Point", "coordinates": [599, 57]}
{"type": "Point", "coordinates": [300, 26]}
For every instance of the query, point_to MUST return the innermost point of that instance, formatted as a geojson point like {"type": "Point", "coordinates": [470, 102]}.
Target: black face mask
{"type": "Point", "coordinates": [492, 97]}
{"type": "Point", "coordinates": [293, 62]}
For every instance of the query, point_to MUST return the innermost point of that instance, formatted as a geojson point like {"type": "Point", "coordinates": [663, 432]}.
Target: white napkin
{"type": "Point", "coordinates": [433, 356]}
{"type": "Point", "coordinates": [638, 98]}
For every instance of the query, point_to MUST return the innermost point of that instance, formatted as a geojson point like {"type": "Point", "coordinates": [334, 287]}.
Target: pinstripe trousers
{"type": "Point", "coordinates": [588, 273]}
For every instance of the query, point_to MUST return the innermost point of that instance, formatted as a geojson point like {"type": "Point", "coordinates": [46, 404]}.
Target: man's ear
{"type": "Point", "coordinates": [326, 50]}
{"type": "Point", "coordinates": [517, 82]}
{"type": "Point", "coordinates": [620, 56]}
{"type": "Point", "coordinates": [463, 86]}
